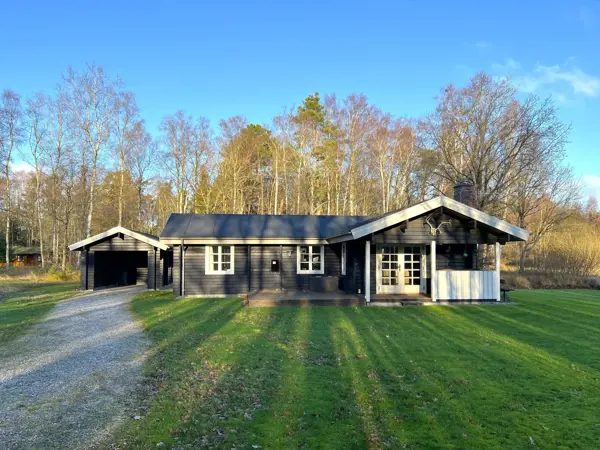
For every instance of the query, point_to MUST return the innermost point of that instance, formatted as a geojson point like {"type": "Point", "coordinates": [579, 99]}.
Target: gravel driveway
{"type": "Point", "coordinates": [70, 381]}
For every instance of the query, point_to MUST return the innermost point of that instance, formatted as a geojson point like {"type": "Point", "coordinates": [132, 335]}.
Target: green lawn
{"type": "Point", "coordinates": [23, 304]}
{"type": "Point", "coordinates": [500, 376]}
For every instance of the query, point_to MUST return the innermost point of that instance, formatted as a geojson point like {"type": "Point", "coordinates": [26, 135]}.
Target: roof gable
{"type": "Point", "coordinates": [143, 237]}
{"type": "Point", "coordinates": [441, 201]}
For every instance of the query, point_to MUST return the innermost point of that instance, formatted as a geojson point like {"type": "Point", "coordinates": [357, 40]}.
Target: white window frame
{"type": "Point", "coordinates": [208, 262]}
{"type": "Point", "coordinates": [343, 258]}
{"type": "Point", "coordinates": [310, 263]}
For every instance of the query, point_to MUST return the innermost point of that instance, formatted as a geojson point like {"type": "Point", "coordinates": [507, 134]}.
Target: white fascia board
{"type": "Point", "coordinates": [396, 218]}
{"type": "Point", "coordinates": [434, 203]}
{"type": "Point", "coordinates": [112, 232]}
{"type": "Point", "coordinates": [485, 218]}
{"type": "Point", "coordinates": [242, 241]}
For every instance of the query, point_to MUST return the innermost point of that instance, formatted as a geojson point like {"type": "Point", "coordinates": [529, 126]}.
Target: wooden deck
{"type": "Point", "coordinates": [339, 298]}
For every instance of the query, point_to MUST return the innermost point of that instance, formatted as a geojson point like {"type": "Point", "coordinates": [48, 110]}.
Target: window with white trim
{"type": "Point", "coordinates": [310, 259]}
{"type": "Point", "coordinates": [343, 258]}
{"type": "Point", "coordinates": [219, 260]}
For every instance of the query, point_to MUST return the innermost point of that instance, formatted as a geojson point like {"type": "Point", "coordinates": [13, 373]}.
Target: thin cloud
{"type": "Point", "coordinates": [561, 80]}
{"type": "Point", "coordinates": [509, 65]}
{"type": "Point", "coordinates": [592, 185]}
{"type": "Point", "coordinates": [482, 44]}
{"type": "Point", "coordinates": [580, 82]}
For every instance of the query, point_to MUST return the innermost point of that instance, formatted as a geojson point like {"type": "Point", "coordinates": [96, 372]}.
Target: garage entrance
{"type": "Point", "coordinates": [120, 268]}
{"type": "Point", "coordinates": [122, 257]}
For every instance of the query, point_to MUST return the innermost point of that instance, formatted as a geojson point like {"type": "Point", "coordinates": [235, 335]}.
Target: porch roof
{"type": "Point", "coordinates": [396, 217]}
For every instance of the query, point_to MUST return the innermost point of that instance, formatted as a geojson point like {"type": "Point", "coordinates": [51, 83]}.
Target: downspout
{"type": "Point", "coordinates": [182, 269]}
{"type": "Point", "coordinates": [154, 268]}
{"type": "Point", "coordinates": [87, 255]}
{"type": "Point", "coordinates": [249, 270]}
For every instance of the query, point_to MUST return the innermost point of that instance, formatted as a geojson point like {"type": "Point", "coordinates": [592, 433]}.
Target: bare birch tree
{"type": "Point", "coordinates": [11, 134]}
{"type": "Point", "coordinates": [92, 99]}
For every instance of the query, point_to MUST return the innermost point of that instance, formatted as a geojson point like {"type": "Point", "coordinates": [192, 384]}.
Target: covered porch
{"type": "Point", "coordinates": [419, 273]}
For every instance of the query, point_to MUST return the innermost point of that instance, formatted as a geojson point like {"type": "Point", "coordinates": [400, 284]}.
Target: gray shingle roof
{"type": "Point", "coordinates": [244, 226]}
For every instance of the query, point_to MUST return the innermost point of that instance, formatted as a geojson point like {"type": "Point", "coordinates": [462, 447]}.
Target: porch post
{"type": "Point", "coordinates": [433, 274]}
{"type": "Point", "coordinates": [368, 271]}
{"type": "Point", "coordinates": [497, 268]}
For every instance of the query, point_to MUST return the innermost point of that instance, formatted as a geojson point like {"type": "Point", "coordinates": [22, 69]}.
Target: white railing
{"type": "Point", "coordinates": [466, 285]}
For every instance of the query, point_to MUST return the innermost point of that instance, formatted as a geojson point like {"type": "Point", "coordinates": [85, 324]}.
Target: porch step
{"type": "Point", "coordinates": [395, 302]}
{"type": "Point", "coordinates": [257, 302]}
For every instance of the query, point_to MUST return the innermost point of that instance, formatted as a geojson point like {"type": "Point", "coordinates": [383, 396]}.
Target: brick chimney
{"type": "Point", "coordinates": [464, 192]}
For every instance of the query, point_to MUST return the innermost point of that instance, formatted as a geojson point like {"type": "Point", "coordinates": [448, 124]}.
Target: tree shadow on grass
{"type": "Point", "coordinates": [404, 399]}
{"type": "Point", "coordinates": [218, 378]}
{"type": "Point", "coordinates": [313, 406]}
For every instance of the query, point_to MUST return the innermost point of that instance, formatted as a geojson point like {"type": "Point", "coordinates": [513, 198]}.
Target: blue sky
{"type": "Point", "coordinates": [220, 59]}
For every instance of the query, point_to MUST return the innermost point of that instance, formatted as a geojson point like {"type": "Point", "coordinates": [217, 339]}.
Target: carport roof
{"type": "Point", "coordinates": [144, 237]}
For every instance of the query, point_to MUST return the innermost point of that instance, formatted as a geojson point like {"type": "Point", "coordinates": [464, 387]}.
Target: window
{"type": "Point", "coordinates": [343, 258]}
{"type": "Point", "coordinates": [310, 259]}
{"type": "Point", "coordinates": [219, 259]}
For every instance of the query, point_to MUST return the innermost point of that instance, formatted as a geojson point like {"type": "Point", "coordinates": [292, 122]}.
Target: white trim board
{"type": "Point", "coordinates": [243, 241]}
{"type": "Point", "coordinates": [430, 205]}
{"type": "Point", "coordinates": [116, 230]}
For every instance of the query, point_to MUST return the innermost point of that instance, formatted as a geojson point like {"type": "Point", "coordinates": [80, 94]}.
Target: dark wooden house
{"type": "Point", "coordinates": [433, 250]}
{"type": "Point", "coordinates": [122, 257]}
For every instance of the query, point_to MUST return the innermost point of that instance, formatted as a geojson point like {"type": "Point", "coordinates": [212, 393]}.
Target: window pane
{"type": "Point", "coordinates": [226, 258]}
{"type": "Point", "coordinates": [385, 281]}
{"type": "Point", "coordinates": [215, 249]}
{"type": "Point", "coordinates": [407, 258]}
{"type": "Point", "coordinates": [226, 266]}
{"type": "Point", "coordinates": [394, 265]}
{"type": "Point", "coordinates": [316, 266]}
{"type": "Point", "coordinates": [386, 273]}
{"type": "Point", "coordinates": [417, 274]}
{"type": "Point", "coordinates": [417, 265]}
{"type": "Point", "coordinates": [304, 258]}
{"type": "Point", "coordinates": [216, 267]}
{"type": "Point", "coordinates": [394, 281]}
{"type": "Point", "coordinates": [316, 258]}
{"type": "Point", "coordinates": [385, 265]}
{"type": "Point", "coordinates": [303, 249]}
{"type": "Point", "coordinates": [226, 249]}
{"type": "Point", "coordinates": [417, 250]}
{"type": "Point", "coordinates": [394, 257]}
{"type": "Point", "coordinates": [304, 266]}
{"type": "Point", "coordinates": [215, 258]}
{"type": "Point", "coordinates": [386, 257]}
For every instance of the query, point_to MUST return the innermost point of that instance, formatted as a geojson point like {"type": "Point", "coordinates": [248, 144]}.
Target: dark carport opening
{"type": "Point", "coordinates": [120, 268]}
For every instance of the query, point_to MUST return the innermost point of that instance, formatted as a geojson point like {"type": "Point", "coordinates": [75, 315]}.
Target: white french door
{"type": "Point", "coordinates": [398, 269]}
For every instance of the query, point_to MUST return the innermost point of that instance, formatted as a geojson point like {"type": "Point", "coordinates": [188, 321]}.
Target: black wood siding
{"type": "Point", "coordinates": [418, 232]}
{"type": "Point", "coordinates": [300, 282]}
{"type": "Point", "coordinates": [197, 282]}
{"type": "Point", "coordinates": [121, 243]}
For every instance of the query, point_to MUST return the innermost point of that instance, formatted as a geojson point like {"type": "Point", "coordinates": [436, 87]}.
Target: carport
{"type": "Point", "coordinates": [123, 257]}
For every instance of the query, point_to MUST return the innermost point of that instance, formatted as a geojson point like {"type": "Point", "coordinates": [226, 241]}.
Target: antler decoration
{"type": "Point", "coordinates": [436, 230]}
